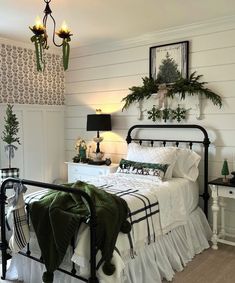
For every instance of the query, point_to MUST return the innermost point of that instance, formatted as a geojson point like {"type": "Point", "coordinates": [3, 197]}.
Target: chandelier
{"type": "Point", "coordinates": [40, 38]}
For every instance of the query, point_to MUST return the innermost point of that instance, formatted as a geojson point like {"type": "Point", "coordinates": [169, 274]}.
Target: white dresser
{"type": "Point", "coordinates": [84, 171]}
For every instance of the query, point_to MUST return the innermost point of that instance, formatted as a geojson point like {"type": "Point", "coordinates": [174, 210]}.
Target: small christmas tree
{"type": "Point", "coordinates": [10, 132]}
{"type": "Point", "coordinates": [225, 171]}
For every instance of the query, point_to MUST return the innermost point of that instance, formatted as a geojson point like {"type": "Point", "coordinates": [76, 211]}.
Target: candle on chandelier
{"type": "Point", "coordinates": [38, 27]}
{"type": "Point", "coordinates": [64, 32]}
{"type": "Point", "coordinates": [38, 23]}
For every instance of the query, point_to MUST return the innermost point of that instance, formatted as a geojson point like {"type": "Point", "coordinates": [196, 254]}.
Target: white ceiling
{"type": "Point", "coordinates": [94, 21]}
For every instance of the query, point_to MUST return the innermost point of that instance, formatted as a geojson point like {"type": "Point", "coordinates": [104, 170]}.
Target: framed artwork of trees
{"type": "Point", "coordinates": [169, 62]}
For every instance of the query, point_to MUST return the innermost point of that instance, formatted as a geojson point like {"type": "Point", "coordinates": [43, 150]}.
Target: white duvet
{"type": "Point", "coordinates": [176, 199]}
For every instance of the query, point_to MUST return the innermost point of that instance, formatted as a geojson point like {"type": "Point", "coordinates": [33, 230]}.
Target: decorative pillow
{"type": "Point", "coordinates": [141, 168]}
{"type": "Point", "coordinates": [147, 154]}
{"type": "Point", "coordinates": [186, 165]}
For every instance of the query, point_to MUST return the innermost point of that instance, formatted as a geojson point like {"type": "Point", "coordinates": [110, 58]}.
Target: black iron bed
{"type": "Point", "coordinates": [92, 222]}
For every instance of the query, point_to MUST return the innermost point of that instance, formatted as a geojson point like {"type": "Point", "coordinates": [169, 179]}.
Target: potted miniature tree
{"type": "Point", "coordinates": [225, 171]}
{"type": "Point", "coordinates": [9, 136]}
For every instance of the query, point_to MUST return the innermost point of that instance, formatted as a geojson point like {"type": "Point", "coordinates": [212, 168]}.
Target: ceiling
{"type": "Point", "coordinates": [94, 21]}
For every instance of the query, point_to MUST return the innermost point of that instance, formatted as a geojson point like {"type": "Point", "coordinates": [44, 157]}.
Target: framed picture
{"type": "Point", "coordinates": [169, 62]}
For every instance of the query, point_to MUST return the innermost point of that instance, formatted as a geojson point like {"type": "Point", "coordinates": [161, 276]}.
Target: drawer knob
{"type": "Point", "coordinates": [231, 192]}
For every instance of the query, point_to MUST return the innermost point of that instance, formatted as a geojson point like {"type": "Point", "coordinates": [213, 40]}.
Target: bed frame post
{"type": "Point", "coordinates": [3, 244]}
{"type": "Point", "coordinates": [206, 194]}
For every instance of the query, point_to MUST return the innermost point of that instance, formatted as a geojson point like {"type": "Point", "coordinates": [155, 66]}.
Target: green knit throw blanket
{"type": "Point", "coordinates": [56, 218]}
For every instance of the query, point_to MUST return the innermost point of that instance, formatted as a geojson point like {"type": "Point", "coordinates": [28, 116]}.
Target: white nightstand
{"type": "Point", "coordinates": [84, 171]}
{"type": "Point", "coordinates": [220, 190]}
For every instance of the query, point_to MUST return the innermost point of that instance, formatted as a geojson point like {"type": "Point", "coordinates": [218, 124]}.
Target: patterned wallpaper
{"type": "Point", "coordinates": [20, 82]}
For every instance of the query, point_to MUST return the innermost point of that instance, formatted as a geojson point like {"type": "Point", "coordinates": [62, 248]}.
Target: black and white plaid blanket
{"type": "Point", "coordinates": [142, 202]}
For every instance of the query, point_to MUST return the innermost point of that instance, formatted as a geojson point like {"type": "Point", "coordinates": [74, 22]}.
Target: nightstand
{"type": "Point", "coordinates": [220, 191]}
{"type": "Point", "coordinates": [84, 171]}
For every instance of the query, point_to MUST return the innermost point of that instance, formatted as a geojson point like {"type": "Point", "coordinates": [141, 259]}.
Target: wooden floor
{"type": "Point", "coordinates": [209, 267]}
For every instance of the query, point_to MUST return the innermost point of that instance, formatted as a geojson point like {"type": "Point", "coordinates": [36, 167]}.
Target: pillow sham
{"type": "Point", "coordinates": [147, 154]}
{"type": "Point", "coordinates": [142, 168]}
{"type": "Point", "coordinates": [186, 165]}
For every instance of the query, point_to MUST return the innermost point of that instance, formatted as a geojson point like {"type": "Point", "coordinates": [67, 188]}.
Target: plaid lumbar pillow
{"type": "Point", "coordinates": [141, 168]}
{"type": "Point", "coordinates": [20, 235]}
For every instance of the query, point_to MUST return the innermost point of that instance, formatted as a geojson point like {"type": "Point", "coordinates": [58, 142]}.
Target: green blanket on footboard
{"type": "Point", "coordinates": [56, 218]}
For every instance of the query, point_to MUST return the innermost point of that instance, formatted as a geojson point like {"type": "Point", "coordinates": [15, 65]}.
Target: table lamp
{"type": "Point", "coordinates": [98, 122]}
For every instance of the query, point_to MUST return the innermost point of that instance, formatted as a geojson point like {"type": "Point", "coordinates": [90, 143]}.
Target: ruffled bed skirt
{"type": "Point", "coordinates": [169, 254]}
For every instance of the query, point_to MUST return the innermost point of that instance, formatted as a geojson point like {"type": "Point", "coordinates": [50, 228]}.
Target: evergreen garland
{"type": "Point", "coordinates": [182, 87]}
{"type": "Point", "coordinates": [192, 86]}
{"type": "Point", "coordinates": [140, 92]}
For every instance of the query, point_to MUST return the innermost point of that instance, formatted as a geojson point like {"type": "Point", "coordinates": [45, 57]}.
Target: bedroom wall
{"type": "Point", "coordinates": [99, 77]}
{"type": "Point", "coordinates": [38, 100]}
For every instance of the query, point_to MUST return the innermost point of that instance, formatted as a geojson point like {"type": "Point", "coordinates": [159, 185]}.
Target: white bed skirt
{"type": "Point", "coordinates": [169, 254]}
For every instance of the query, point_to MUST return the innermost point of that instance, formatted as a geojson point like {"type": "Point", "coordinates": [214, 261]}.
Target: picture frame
{"type": "Point", "coordinates": [169, 62]}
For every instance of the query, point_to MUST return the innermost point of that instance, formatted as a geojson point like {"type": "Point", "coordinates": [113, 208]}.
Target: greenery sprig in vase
{"type": "Point", "coordinates": [182, 87]}
{"type": "Point", "coordinates": [81, 148]}
{"type": "Point", "coordinates": [10, 132]}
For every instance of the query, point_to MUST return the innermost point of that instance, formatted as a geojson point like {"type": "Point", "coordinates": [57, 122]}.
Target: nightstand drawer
{"type": "Point", "coordinates": [226, 192]}
{"type": "Point", "coordinates": [84, 171]}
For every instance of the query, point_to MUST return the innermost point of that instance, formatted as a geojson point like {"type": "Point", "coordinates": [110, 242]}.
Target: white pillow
{"type": "Point", "coordinates": [162, 155]}
{"type": "Point", "coordinates": [186, 165]}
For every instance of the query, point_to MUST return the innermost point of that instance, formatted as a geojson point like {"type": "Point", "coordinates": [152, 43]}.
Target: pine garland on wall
{"type": "Point", "coordinates": [182, 87]}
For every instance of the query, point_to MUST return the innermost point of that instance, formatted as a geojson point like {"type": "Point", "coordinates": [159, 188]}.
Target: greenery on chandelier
{"type": "Point", "coordinates": [40, 42]}
{"type": "Point", "coordinates": [183, 86]}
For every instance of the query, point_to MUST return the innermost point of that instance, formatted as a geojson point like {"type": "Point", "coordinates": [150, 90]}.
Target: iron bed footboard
{"type": "Point", "coordinates": [92, 224]}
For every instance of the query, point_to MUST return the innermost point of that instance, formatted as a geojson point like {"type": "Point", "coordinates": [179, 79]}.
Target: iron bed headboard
{"type": "Point", "coordinates": [205, 141]}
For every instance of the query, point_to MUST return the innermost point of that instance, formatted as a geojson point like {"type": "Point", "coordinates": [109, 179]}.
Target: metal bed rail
{"type": "Point", "coordinates": [92, 224]}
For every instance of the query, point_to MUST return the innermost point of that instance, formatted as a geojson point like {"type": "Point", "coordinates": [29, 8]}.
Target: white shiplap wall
{"type": "Point", "coordinates": [99, 77]}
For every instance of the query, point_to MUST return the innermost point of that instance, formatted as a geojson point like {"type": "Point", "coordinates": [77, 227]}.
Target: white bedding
{"type": "Point", "coordinates": [177, 198]}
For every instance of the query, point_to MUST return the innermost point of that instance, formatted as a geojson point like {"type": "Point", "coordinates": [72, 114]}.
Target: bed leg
{"type": "Point", "coordinates": [3, 244]}
{"type": "Point", "coordinates": [3, 247]}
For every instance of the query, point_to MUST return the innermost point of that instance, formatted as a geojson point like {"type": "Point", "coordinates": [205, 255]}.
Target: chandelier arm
{"type": "Point", "coordinates": [45, 45]}
{"type": "Point", "coordinates": [54, 27]}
